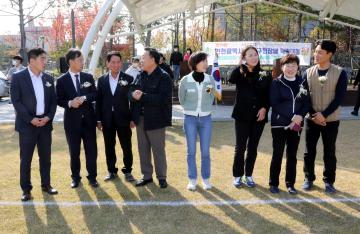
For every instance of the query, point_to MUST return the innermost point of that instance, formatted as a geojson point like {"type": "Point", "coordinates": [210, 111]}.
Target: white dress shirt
{"type": "Point", "coordinates": [113, 82]}
{"type": "Point", "coordinates": [39, 92]}
{"type": "Point", "coordinates": [73, 78]}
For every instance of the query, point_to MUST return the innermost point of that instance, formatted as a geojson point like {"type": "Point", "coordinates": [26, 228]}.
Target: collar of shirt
{"type": "Point", "coordinates": [33, 75]}
{"type": "Point", "coordinates": [114, 78]}
{"type": "Point", "coordinates": [73, 74]}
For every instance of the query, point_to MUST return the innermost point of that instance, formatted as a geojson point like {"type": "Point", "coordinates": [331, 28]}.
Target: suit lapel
{"type": "Point", "coordinates": [107, 84]}
{"type": "Point", "coordinates": [70, 83]}
{"type": "Point", "coordinates": [29, 82]}
{"type": "Point", "coordinates": [118, 86]}
{"type": "Point", "coordinates": [46, 83]}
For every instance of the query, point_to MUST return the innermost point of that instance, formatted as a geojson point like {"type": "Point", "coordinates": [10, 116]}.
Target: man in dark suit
{"type": "Point", "coordinates": [76, 92]}
{"type": "Point", "coordinates": [114, 115]}
{"type": "Point", "coordinates": [152, 96]}
{"type": "Point", "coordinates": [34, 99]}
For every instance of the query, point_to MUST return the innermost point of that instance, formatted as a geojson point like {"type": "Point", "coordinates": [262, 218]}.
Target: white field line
{"type": "Point", "coordinates": [180, 203]}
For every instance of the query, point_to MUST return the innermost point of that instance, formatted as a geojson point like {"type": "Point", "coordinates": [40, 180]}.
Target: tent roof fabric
{"type": "Point", "coordinates": [148, 11]}
{"type": "Point", "coordinates": [348, 8]}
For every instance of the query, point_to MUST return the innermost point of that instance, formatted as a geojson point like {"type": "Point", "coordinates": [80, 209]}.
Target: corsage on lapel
{"type": "Point", "coordinates": [86, 84]}
{"type": "Point", "coordinates": [48, 84]}
{"type": "Point", "coordinates": [123, 82]}
{"type": "Point", "coordinates": [262, 74]}
{"type": "Point", "coordinates": [209, 88]}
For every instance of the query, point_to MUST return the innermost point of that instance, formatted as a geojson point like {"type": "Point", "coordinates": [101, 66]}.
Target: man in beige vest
{"type": "Point", "coordinates": [327, 85]}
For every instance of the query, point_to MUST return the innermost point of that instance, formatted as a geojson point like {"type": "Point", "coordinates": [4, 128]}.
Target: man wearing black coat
{"type": "Point", "coordinates": [152, 96]}
{"type": "Point", "coordinates": [114, 115]}
{"type": "Point", "coordinates": [76, 92]}
{"type": "Point", "coordinates": [34, 99]}
{"type": "Point", "coordinates": [357, 105]}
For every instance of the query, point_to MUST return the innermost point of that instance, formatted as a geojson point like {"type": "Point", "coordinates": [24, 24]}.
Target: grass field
{"type": "Point", "coordinates": [219, 217]}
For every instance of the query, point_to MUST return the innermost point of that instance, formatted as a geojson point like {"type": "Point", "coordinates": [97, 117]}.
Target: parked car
{"type": "Point", "coordinates": [4, 86]}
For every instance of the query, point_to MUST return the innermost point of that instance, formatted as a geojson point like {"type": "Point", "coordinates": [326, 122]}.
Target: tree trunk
{"type": "Point", "coordinates": [255, 23]}
{"type": "Point", "coordinates": [148, 38]}
{"type": "Point", "coordinates": [213, 23]}
{"type": "Point", "coordinates": [299, 23]}
{"type": "Point", "coordinates": [22, 33]}
{"type": "Point", "coordinates": [241, 26]}
{"type": "Point", "coordinates": [184, 33]}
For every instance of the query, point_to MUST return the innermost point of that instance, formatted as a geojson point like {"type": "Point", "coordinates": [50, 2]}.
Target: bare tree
{"type": "Point", "coordinates": [24, 9]}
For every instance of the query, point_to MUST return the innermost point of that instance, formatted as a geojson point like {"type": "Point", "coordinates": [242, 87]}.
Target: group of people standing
{"type": "Point", "coordinates": [312, 101]}
{"type": "Point", "coordinates": [121, 103]}
{"type": "Point", "coordinates": [142, 99]}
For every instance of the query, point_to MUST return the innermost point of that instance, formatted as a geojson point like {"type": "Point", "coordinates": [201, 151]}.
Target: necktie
{"type": "Point", "coordinates": [78, 90]}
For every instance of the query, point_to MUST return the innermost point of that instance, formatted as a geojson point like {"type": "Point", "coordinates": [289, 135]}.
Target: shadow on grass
{"type": "Point", "coordinates": [166, 219]}
{"type": "Point", "coordinates": [55, 219]}
{"type": "Point", "coordinates": [101, 218]}
{"type": "Point", "coordinates": [242, 216]}
{"type": "Point", "coordinates": [319, 217]}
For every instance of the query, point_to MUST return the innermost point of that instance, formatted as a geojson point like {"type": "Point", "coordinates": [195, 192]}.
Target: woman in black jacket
{"type": "Point", "coordinates": [250, 113]}
{"type": "Point", "coordinates": [290, 102]}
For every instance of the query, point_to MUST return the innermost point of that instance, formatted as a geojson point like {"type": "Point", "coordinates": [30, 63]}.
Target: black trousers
{"type": "Point", "coordinates": [40, 137]}
{"type": "Point", "coordinates": [357, 105]}
{"type": "Point", "coordinates": [291, 139]}
{"type": "Point", "coordinates": [247, 139]}
{"type": "Point", "coordinates": [329, 135]}
{"type": "Point", "coordinates": [124, 134]}
{"type": "Point", "coordinates": [88, 136]}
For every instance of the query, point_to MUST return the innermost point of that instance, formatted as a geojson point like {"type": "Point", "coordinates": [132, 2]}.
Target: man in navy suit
{"type": "Point", "coordinates": [34, 99]}
{"type": "Point", "coordinates": [76, 92]}
{"type": "Point", "coordinates": [114, 115]}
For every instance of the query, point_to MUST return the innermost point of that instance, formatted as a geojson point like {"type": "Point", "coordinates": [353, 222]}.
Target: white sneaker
{"type": "Point", "coordinates": [206, 184]}
{"type": "Point", "coordinates": [191, 185]}
{"type": "Point", "coordinates": [237, 182]}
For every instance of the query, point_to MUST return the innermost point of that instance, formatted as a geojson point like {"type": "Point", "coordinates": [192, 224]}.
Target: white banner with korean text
{"type": "Point", "coordinates": [229, 52]}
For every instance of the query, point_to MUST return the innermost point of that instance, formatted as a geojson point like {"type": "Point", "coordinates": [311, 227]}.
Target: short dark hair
{"type": "Point", "coordinates": [111, 54]}
{"type": "Point", "coordinates": [135, 59]}
{"type": "Point", "coordinates": [326, 44]}
{"type": "Point", "coordinates": [176, 46]}
{"type": "Point", "coordinates": [196, 58]}
{"type": "Point", "coordinates": [154, 54]}
{"type": "Point", "coordinates": [72, 54]}
{"type": "Point", "coordinates": [18, 57]}
{"type": "Point", "coordinates": [34, 53]}
{"type": "Point", "coordinates": [289, 58]}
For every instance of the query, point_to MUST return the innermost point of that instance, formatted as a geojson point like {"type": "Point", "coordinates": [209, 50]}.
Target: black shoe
{"type": "Point", "coordinates": [307, 186]}
{"type": "Point", "coordinates": [329, 188]}
{"type": "Point", "coordinates": [163, 183]}
{"type": "Point", "coordinates": [129, 177]}
{"type": "Point", "coordinates": [143, 182]}
{"type": "Point", "coordinates": [75, 183]}
{"type": "Point", "coordinates": [292, 190]}
{"type": "Point", "coordinates": [354, 113]}
{"type": "Point", "coordinates": [94, 183]}
{"type": "Point", "coordinates": [274, 189]}
{"type": "Point", "coordinates": [110, 176]}
{"type": "Point", "coordinates": [26, 196]}
{"type": "Point", "coordinates": [50, 190]}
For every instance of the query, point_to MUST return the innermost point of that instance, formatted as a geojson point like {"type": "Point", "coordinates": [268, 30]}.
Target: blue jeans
{"type": "Point", "coordinates": [176, 70]}
{"type": "Point", "coordinates": [194, 125]}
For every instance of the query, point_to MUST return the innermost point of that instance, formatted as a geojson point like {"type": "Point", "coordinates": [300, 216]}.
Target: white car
{"type": "Point", "coordinates": [4, 86]}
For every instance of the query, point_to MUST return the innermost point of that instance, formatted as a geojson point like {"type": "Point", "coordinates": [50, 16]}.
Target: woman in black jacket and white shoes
{"type": "Point", "coordinates": [250, 113]}
{"type": "Point", "coordinates": [290, 102]}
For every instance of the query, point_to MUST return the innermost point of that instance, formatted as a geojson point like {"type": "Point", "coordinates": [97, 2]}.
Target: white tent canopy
{"type": "Point", "coordinates": [329, 8]}
{"type": "Point", "coordinates": [144, 12]}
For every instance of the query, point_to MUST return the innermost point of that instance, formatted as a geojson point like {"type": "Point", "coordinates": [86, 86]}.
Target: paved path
{"type": "Point", "coordinates": [220, 113]}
